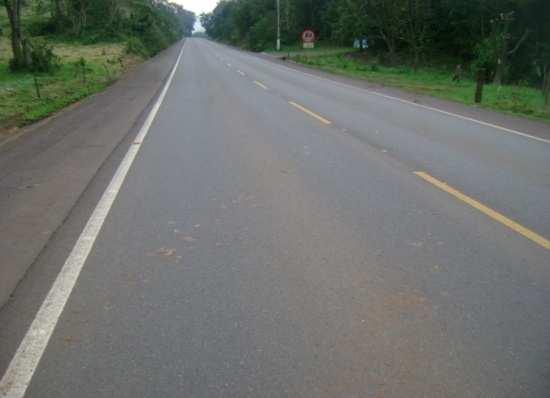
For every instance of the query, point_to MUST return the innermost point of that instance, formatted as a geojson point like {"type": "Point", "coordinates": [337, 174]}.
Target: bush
{"type": "Point", "coordinates": [155, 40]}
{"type": "Point", "coordinates": [486, 55]}
{"type": "Point", "coordinates": [93, 38]}
{"type": "Point", "coordinates": [135, 46]}
{"type": "Point", "coordinates": [38, 26]}
{"type": "Point", "coordinates": [43, 58]}
{"type": "Point", "coordinates": [262, 34]}
{"type": "Point", "coordinates": [154, 27]}
{"type": "Point", "coordinates": [13, 66]}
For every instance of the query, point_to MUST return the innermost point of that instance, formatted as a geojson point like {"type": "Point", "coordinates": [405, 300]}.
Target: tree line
{"type": "Point", "coordinates": [148, 25]}
{"type": "Point", "coordinates": [508, 39]}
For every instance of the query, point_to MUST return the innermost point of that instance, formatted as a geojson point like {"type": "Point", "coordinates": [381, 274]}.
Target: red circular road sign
{"type": "Point", "coordinates": [308, 36]}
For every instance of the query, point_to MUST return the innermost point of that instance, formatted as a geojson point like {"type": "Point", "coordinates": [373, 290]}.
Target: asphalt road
{"type": "Point", "coordinates": [273, 238]}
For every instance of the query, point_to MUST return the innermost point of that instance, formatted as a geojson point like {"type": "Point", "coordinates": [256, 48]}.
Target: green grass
{"type": "Point", "coordinates": [321, 49]}
{"type": "Point", "coordinates": [19, 102]}
{"type": "Point", "coordinates": [520, 100]}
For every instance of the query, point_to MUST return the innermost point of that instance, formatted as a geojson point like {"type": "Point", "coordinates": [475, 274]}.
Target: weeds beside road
{"type": "Point", "coordinates": [53, 54]}
{"type": "Point", "coordinates": [84, 70]}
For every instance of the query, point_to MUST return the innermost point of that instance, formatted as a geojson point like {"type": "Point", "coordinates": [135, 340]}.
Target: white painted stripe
{"type": "Point", "coordinates": [241, 73]}
{"type": "Point", "coordinates": [486, 124]}
{"type": "Point", "coordinates": [257, 83]}
{"type": "Point", "coordinates": [21, 369]}
{"type": "Point", "coordinates": [404, 101]}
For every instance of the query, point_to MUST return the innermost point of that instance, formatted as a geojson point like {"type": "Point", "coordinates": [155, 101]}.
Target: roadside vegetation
{"type": "Point", "coordinates": [438, 48]}
{"type": "Point", "coordinates": [27, 96]}
{"type": "Point", "coordinates": [434, 81]}
{"type": "Point", "coordinates": [65, 50]}
{"type": "Point", "coordinates": [321, 49]}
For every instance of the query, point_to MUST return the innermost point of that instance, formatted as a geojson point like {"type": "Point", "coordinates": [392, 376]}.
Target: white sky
{"type": "Point", "coordinates": [198, 7]}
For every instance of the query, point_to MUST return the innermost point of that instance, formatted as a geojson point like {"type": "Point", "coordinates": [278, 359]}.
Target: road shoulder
{"type": "Point", "coordinates": [525, 125]}
{"type": "Point", "coordinates": [46, 169]}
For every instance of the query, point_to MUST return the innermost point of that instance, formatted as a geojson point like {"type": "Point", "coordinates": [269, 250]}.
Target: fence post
{"type": "Point", "coordinates": [546, 85]}
{"type": "Point", "coordinates": [37, 87]}
{"type": "Point", "coordinates": [479, 86]}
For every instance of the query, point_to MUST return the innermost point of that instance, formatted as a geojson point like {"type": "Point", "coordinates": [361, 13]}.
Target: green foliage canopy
{"type": "Point", "coordinates": [504, 37]}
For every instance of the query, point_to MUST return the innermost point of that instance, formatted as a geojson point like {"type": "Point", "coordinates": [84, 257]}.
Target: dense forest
{"type": "Point", "coordinates": [508, 39]}
{"type": "Point", "coordinates": [147, 25]}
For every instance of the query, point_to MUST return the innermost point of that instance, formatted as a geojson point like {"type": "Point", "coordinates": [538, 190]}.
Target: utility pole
{"type": "Point", "coordinates": [278, 25]}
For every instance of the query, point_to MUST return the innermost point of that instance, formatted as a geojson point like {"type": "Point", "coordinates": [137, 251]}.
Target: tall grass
{"type": "Point", "coordinates": [20, 103]}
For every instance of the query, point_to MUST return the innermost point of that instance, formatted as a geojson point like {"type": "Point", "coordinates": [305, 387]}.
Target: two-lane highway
{"type": "Point", "coordinates": [273, 234]}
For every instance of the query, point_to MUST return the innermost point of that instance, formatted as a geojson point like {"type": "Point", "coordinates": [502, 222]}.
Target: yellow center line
{"type": "Point", "coordinates": [310, 113]}
{"type": "Point", "coordinates": [257, 83]}
{"type": "Point", "coordinates": [495, 215]}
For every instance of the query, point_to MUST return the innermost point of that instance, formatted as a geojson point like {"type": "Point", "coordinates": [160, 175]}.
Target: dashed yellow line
{"type": "Point", "coordinates": [310, 113]}
{"type": "Point", "coordinates": [257, 83]}
{"type": "Point", "coordinates": [520, 229]}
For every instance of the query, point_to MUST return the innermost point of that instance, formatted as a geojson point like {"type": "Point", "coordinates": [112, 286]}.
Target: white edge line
{"type": "Point", "coordinates": [21, 369]}
{"type": "Point", "coordinates": [257, 83]}
{"type": "Point", "coordinates": [480, 122]}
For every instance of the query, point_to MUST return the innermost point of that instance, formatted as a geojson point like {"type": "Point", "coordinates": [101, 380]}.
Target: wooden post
{"type": "Point", "coordinates": [37, 87]}
{"type": "Point", "coordinates": [108, 73]}
{"type": "Point", "coordinates": [27, 49]}
{"type": "Point", "coordinates": [479, 87]}
{"type": "Point", "coordinates": [546, 85]}
{"type": "Point", "coordinates": [458, 73]}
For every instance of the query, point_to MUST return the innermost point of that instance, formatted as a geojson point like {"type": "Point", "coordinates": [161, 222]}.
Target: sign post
{"type": "Point", "coordinates": [308, 38]}
{"type": "Point", "coordinates": [278, 25]}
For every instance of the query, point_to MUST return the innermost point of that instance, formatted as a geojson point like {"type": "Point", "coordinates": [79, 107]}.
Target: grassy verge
{"type": "Point", "coordinates": [321, 49]}
{"type": "Point", "coordinates": [20, 103]}
{"type": "Point", "coordinates": [520, 100]}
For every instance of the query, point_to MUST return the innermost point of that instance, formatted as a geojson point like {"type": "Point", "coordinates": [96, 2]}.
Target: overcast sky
{"type": "Point", "coordinates": [198, 7]}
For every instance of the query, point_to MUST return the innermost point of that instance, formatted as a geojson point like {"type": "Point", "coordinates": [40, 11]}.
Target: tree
{"type": "Point", "coordinates": [542, 65]}
{"type": "Point", "coordinates": [78, 15]}
{"type": "Point", "coordinates": [187, 19]}
{"type": "Point", "coordinates": [502, 36]}
{"type": "Point", "coordinates": [455, 31]}
{"type": "Point", "coordinates": [220, 24]}
{"type": "Point", "coordinates": [350, 20]}
{"type": "Point", "coordinates": [416, 27]}
{"type": "Point", "coordinates": [387, 18]}
{"type": "Point", "coordinates": [19, 46]}
{"type": "Point", "coordinates": [58, 11]}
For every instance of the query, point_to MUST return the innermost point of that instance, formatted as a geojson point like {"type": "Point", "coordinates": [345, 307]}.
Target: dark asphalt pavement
{"type": "Point", "coordinates": [256, 251]}
{"type": "Point", "coordinates": [46, 170]}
